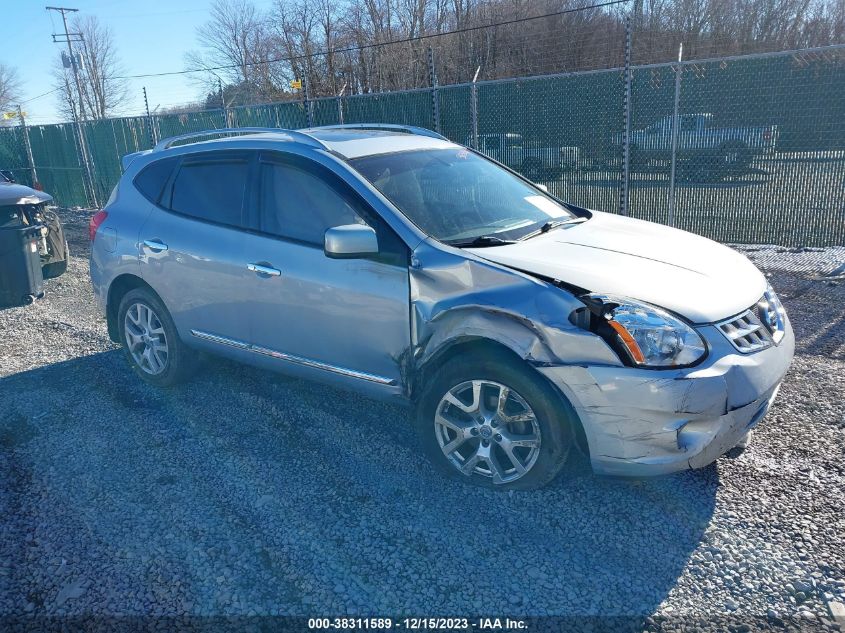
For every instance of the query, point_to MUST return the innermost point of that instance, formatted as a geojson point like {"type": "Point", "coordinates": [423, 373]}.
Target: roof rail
{"type": "Point", "coordinates": [302, 137]}
{"type": "Point", "coordinates": [406, 129]}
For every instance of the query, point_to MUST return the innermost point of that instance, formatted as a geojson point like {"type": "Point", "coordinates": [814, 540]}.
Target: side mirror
{"type": "Point", "coordinates": [351, 241]}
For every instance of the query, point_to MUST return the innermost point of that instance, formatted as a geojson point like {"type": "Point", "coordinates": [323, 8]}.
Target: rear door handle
{"type": "Point", "coordinates": [155, 245]}
{"type": "Point", "coordinates": [264, 270]}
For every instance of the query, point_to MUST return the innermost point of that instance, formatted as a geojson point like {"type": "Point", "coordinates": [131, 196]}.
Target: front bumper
{"type": "Point", "coordinates": [641, 422]}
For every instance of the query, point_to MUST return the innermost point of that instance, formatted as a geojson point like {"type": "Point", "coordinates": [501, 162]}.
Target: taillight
{"type": "Point", "coordinates": [95, 223]}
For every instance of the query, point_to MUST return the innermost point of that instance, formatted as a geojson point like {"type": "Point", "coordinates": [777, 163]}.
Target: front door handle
{"type": "Point", "coordinates": [261, 269]}
{"type": "Point", "coordinates": [155, 245]}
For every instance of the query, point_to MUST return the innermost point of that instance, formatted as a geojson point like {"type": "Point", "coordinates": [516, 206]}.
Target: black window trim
{"type": "Point", "coordinates": [212, 156]}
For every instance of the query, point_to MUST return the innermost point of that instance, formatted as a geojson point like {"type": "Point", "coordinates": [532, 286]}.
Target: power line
{"type": "Point", "coordinates": [375, 45]}
{"type": "Point", "coordinates": [43, 94]}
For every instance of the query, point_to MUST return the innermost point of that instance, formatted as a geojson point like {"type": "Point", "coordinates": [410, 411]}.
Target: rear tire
{"type": "Point", "coordinates": [150, 341]}
{"type": "Point", "coordinates": [469, 435]}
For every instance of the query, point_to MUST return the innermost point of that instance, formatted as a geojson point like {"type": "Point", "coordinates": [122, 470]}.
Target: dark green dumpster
{"type": "Point", "coordinates": [21, 281]}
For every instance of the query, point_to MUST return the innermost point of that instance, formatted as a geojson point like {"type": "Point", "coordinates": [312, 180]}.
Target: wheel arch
{"type": "Point", "coordinates": [479, 345]}
{"type": "Point", "coordinates": [119, 287]}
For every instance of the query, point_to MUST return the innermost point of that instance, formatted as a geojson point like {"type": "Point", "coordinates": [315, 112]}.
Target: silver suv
{"type": "Point", "coordinates": [391, 261]}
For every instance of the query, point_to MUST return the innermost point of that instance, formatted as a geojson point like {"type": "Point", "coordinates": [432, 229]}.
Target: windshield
{"type": "Point", "coordinates": [455, 195]}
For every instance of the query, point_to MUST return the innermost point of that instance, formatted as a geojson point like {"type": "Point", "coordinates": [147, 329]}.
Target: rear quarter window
{"type": "Point", "coordinates": [150, 182]}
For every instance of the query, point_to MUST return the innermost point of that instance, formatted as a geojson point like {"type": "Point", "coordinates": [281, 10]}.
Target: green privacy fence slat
{"type": "Point", "coordinates": [13, 154]}
{"type": "Point", "coordinates": [54, 151]}
{"type": "Point", "coordinates": [290, 115]}
{"type": "Point", "coordinates": [792, 194]}
{"type": "Point", "coordinates": [577, 115]}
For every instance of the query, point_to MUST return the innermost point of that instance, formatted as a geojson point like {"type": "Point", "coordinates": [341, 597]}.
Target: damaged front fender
{"type": "Point", "coordinates": [459, 297]}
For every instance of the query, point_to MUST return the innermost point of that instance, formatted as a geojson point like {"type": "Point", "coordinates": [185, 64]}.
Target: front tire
{"type": "Point", "coordinates": [492, 422]}
{"type": "Point", "coordinates": [150, 341]}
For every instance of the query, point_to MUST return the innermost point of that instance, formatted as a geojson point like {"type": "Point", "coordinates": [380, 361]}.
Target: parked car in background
{"type": "Point", "coordinates": [391, 261]}
{"type": "Point", "coordinates": [24, 206]}
{"type": "Point", "coordinates": [703, 149]}
{"type": "Point", "coordinates": [534, 162]}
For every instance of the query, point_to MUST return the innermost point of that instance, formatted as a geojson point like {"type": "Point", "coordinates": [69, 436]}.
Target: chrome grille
{"type": "Point", "coordinates": [771, 314]}
{"type": "Point", "coordinates": [746, 332]}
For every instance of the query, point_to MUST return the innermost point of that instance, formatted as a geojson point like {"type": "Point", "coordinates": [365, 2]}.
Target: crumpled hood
{"type": "Point", "coordinates": [695, 277]}
{"type": "Point", "coordinates": [13, 193]}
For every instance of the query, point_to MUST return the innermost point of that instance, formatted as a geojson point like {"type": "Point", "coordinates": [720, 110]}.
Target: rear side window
{"type": "Point", "coordinates": [211, 189]}
{"type": "Point", "coordinates": [150, 182]}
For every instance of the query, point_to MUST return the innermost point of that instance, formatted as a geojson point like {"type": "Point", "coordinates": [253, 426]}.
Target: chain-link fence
{"type": "Point", "coordinates": [747, 149]}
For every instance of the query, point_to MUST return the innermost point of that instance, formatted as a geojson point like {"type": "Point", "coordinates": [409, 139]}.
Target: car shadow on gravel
{"type": "Point", "coordinates": [247, 493]}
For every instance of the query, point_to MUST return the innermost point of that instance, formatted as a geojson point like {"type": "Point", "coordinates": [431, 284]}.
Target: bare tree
{"type": "Point", "coordinates": [236, 48]}
{"type": "Point", "coordinates": [10, 86]}
{"type": "Point", "coordinates": [375, 45]}
{"type": "Point", "coordinates": [99, 71]}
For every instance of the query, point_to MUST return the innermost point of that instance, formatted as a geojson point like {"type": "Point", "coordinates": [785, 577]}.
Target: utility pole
{"type": "Point", "coordinates": [28, 147]}
{"type": "Point", "coordinates": [83, 149]}
{"type": "Point", "coordinates": [69, 39]}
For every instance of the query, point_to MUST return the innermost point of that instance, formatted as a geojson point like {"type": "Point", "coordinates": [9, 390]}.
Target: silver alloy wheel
{"type": "Point", "coordinates": [486, 428]}
{"type": "Point", "coordinates": [145, 338]}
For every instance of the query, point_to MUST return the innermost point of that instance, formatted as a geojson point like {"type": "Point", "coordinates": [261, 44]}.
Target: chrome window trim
{"type": "Point", "coordinates": [299, 360]}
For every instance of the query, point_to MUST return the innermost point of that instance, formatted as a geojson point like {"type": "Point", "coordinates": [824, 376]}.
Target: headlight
{"type": "Point", "coordinates": [772, 314]}
{"type": "Point", "coordinates": [648, 336]}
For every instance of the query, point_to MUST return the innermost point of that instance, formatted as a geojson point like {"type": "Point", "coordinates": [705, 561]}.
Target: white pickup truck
{"type": "Point", "coordinates": [700, 144]}
{"type": "Point", "coordinates": [533, 162]}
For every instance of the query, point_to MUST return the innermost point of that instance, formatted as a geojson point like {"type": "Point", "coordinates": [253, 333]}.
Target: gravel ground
{"type": "Point", "coordinates": [245, 494]}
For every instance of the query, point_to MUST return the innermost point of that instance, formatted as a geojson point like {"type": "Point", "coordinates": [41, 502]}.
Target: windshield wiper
{"type": "Point", "coordinates": [552, 224]}
{"type": "Point", "coordinates": [480, 241]}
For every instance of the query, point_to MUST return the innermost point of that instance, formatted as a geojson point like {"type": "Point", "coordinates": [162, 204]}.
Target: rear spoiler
{"type": "Point", "coordinates": [127, 160]}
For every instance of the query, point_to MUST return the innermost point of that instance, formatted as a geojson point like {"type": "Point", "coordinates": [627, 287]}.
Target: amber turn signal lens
{"type": "Point", "coordinates": [629, 342]}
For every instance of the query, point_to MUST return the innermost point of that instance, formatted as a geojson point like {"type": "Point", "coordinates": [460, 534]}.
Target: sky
{"type": "Point", "coordinates": [150, 35]}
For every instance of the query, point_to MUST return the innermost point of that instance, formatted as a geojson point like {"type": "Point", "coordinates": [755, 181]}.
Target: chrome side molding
{"type": "Point", "coordinates": [291, 358]}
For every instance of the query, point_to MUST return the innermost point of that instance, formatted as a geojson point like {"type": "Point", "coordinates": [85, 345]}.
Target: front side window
{"type": "Point", "coordinates": [301, 205]}
{"type": "Point", "coordinates": [211, 189]}
{"type": "Point", "coordinates": [455, 195]}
